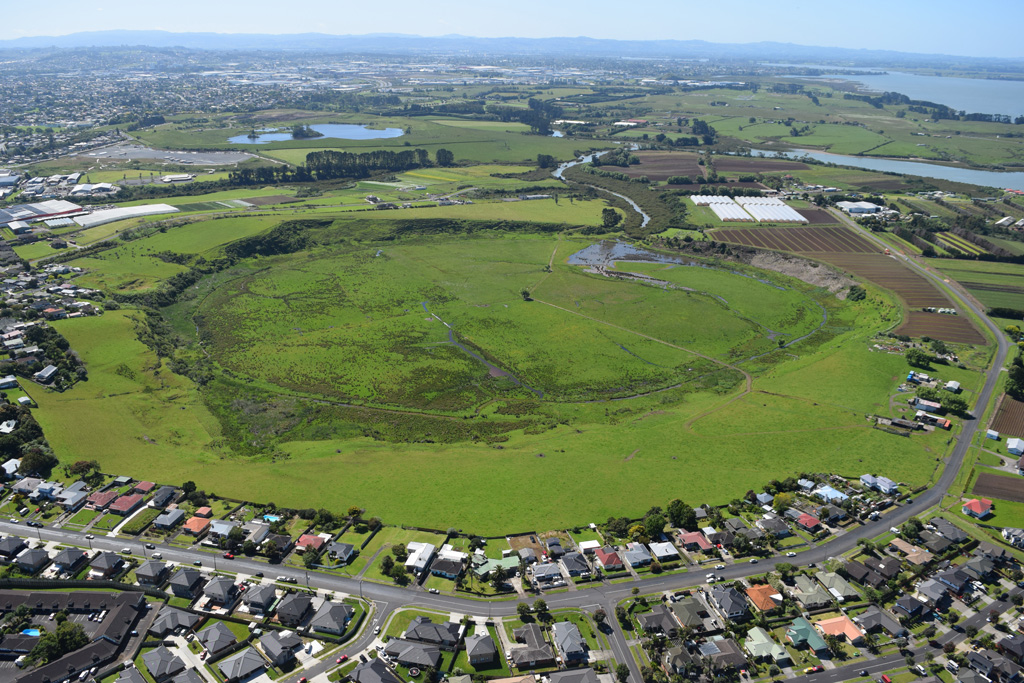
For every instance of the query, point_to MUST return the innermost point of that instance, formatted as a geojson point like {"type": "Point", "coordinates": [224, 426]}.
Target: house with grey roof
{"type": "Point", "coordinates": [241, 665]}
{"type": "Point", "coordinates": [874, 619]}
{"type": "Point", "coordinates": [412, 653]}
{"type": "Point", "coordinates": [10, 547]}
{"type": "Point", "coordinates": [658, 620]}
{"type": "Point", "coordinates": [169, 519]}
{"type": "Point", "coordinates": [575, 564]}
{"type": "Point", "coordinates": [69, 560]}
{"type": "Point", "coordinates": [838, 587]}
{"type": "Point", "coordinates": [528, 555]}
{"type": "Point", "coordinates": [152, 573]}
{"type": "Point", "coordinates": [569, 642]}
{"type": "Point", "coordinates": [809, 593]}
{"type": "Point", "coordinates": [171, 619]}
{"type": "Point", "coordinates": [692, 613]}
{"type": "Point", "coordinates": [636, 555]}
{"type": "Point", "coordinates": [536, 654]}
{"type": "Point", "coordinates": [134, 676]}
{"type": "Point", "coordinates": [221, 591]}
{"type": "Point", "coordinates": [729, 602]}
{"type": "Point", "coordinates": [931, 592]}
{"type": "Point", "coordinates": [280, 646]}
{"type": "Point", "coordinates": [586, 675]}
{"type": "Point", "coordinates": [547, 573]}
{"type": "Point", "coordinates": [32, 561]}
{"type": "Point", "coordinates": [187, 676]}
{"type": "Point", "coordinates": [260, 598]}
{"type": "Point", "coordinates": [444, 635]}
{"type": "Point", "coordinates": [106, 565]}
{"type": "Point", "coordinates": [294, 608]}
{"type": "Point", "coordinates": [724, 654]}
{"type": "Point", "coordinates": [162, 663]}
{"type": "Point", "coordinates": [186, 583]}
{"type": "Point", "coordinates": [373, 671]}
{"type": "Point", "coordinates": [217, 637]}
{"type": "Point", "coordinates": [332, 618]}
{"type": "Point", "coordinates": [760, 646]}
{"type": "Point", "coordinates": [343, 553]}
{"type": "Point", "coordinates": [480, 649]}
{"type": "Point", "coordinates": [163, 497]}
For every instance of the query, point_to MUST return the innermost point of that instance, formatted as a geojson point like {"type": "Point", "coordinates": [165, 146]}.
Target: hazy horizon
{"type": "Point", "coordinates": [935, 27]}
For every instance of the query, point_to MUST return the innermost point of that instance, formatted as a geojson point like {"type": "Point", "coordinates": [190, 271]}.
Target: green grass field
{"type": "Point", "coordinates": [994, 284]}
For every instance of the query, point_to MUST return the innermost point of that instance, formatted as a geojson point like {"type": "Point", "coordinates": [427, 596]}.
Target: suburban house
{"type": "Point", "coordinates": [423, 630]}
{"type": "Point", "coordinates": [802, 634]}
{"type": "Point", "coordinates": [343, 553]}
{"type": "Point", "coordinates": [841, 627]}
{"type": "Point", "coordinates": [259, 599]}
{"type": "Point", "coordinates": [680, 661]}
{"type": "Point", "coordinates": [32, 560]}
{"type": "Point", "coordinates": [419, 557]}
{"type": "Point", "coordinates": [220, 591]}
{"type": "Point", "coordinates": [764, 498]}
{"type": "Point", "coordinates": [101, 500]}
{"type": "Point", "coordinates": [761, 647]}
{"type": "Point", "coordinates": [170, 619]}
{"type": "Point", "coordinates": [636, 555]}
{"type": "Point", "coordinates": [575, 564]}
{"type": "Point", "coordinates": [106, 565]}
{"type": "Point", "coordinates": [332, 618]}
{"type": "Point", "coordinates": [774, 526]}
{"type": "Point", "coordinates": [162, 664]}
{"type": "Point", "coordinates": [241, 666]}
{"type": "Point", "coordinates": [837, 586]}
{"type": "Point", "coordinates": [196, 526]}
{"type": "Point", "coordinates": [694, 540]}
{"type": "Point", "coordinates": [910, 606]}
{"type": "Point", "coordinates": [294, 608]}
{"type": "Point", "coordinates": [447, 568]}
{"type": "Point", "coordinates": [309, 542]}
{"type": "Point", "coordinates": [931, 592]}
{"type": "Point", "coordinates": [911, 553]}
{"type": "Point", "coordinates": [888, 568]}
{"type": "Point", "coordinates": [977, 507]}
{"type": "Point", "coordinates": [764, 597]}
{"type": "Point", "coordinates": [808, 523]}
{"type": "Point", "coordinates": [874, 619]}
{"type": "Point", "coordinates": [528, 555]}
{"type": "Point", "coordinates": [729, 602]}
{"type": "Point", "coordinates": [957, 579]}
{"type": "Point", "coordinates": [413, 654]}
{"type": "Point", "coordinates": [480, 649]}
{"type": "Point", "coordinates": [163, 497]}
{"type": "Point", "coordinates": [280, 646]}
{"type": "Point", "coordinates": [664, 552]}
{"type": "Point", "coordinates": [169, 519]}
{"type": "Point", "coordinates": [609, 559]}
{"type": "Point", "coordinates": [152, 573]}
{"type": "Point", "coordinates": [547, 573]}
{"type": "Point", "coordinates": [537, 654]}
{"type": "Point", "coordinates": [692, 613]}
{"type": "Point", "coordinates": [554, 546]}
{"type": "Point", "coordinates": [217, 637]}
{"type": "Point", "coordinates": [374, 671]}
{"type": "Point", "coordinates": [1012, 647]}
{"type": "Point", "coordinates": [810, 593]}
{"type": "Point", "coordinates": [569, 641]}
{"type": "Point", "coordinates": [186, 583]}
{"type": "Point", "coordinates": [658, 620]}
{"type": "Point", "coordinates": [10, 547]}
{"type": "Point", "coordinates": [570, 676]}
{"type": "Point", "coordinates": [69, 560]}
{"type": "Point", "coordinates": [724, 655]}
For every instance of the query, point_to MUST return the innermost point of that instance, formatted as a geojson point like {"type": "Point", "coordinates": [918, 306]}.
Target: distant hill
{"type": "Point", "coordinates": [411, 44]}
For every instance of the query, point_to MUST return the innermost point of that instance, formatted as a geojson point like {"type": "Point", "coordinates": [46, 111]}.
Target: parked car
{"type": "Point", "coordinates": [228, 556]}
{"type": "Point", "coordinates": [719, 566]}
{"type": "Point", "coordinates": [342, 659]}
{"type": "Point", "coordinates": [90, 536]}
{"type": "Point", "coordinates": [753, 560]}
{"type": "Point", "coordinates": [150, 546]}
{"type": "Point", "coordinates": [434, 591]}
{"type": "Point", "coordinates": [790, 554]}
{"type": "Point", "coordinates": [198, 563]}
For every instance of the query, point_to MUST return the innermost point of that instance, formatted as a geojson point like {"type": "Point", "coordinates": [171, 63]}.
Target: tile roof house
{"type": "Point", "coordinates": [217, 637]}
{"type": "Point", "coordinates": [694, 540]}
{"type": "Point", "coordinates": [242, 665]}
{"type": "Point", "coordinates": [293, 608]}
{"type": "Point", "coordinates": [480, 649]}
{"type": "Point", "coordinates": [932, 592]}
{"type": "Point", "coordinates": [808, 523]}
{"type": "Point", "coordinates": [162, 664]}
{"type": "Point", "coordinates": [910, 606]}
{"type": "Point", "coordinates": [977, 507]}
{"type": "Point", "coordinates": [332, 617]}
{"type": "Point", "coordinates": [411, 653]}
{"type": "Point", "coordinates": [105, 565]}
{"type": "Point", "coordinates": [764, 597]}
{"type": "Point", "coordinates": [32, 560]}
{"type": "Point", "coordinates": [197, 526]}
{"type": "Point", "coordinates": [724, 654]}
{"type": "Point", "coordinates": [309, 540]}
{"type": "Point", "coordinates": [569, 641]}
{"type": "Point", "coordinates": [949, 530]}
{"type": "Point", "coordinates": [204, 511]}
{"type": "Point", "coordinates": [69, 560]}
{"type": "Point", "coordinates": [125, 505]}
{"type": "Point", "coordinates": [101, 500]}
{"type": "Point", "coordinates": [802, 634]}
{"type": "Point", "coordinates": [692, 613]}
{"type": "Point", "coordinates": [841, 627]}
{"type": "Point", "coordinates": [609, 559]}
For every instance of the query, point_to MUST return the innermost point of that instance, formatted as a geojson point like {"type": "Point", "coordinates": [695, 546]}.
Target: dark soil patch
{"type": "Point", "coordinates": [1009, 418]}
{"type": "Point", "coordinates": [817, 216]}
{"type": "Point", "coordinates": [995, 486]}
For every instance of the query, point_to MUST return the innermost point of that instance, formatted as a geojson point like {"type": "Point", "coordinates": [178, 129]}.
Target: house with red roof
{"type": "Point", "coordinates": [764, 597]}
{"type": "Point", "coordinates": [609, 559]}
{"type": "Point", "coordinates": [101, 500]}
{"type": "Point", "coordinates": [125, 505]}
{"type": "Point", "coordinates": [204, 512]}
{"type": "Point", "coordinates": [196, 526]}
{"type": "Point", "coordinates": [144, 487]}
{"type": "Point", "coordinates": [694, 540]}
{"type": "Point", "coordinates": [307, 540]}
{"type": "Point", "coordinates": [809, 523]}
{"type": "Point", "coordinates": [977, 507]}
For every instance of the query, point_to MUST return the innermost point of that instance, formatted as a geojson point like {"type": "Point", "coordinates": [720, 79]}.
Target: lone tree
{"type": "Point", "coordinates": [525, 293]}
{"type": "Point", "coordinates": [610, 218]}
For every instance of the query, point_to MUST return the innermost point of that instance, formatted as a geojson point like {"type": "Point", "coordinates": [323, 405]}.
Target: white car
{"type": "Point", "coordinates": [790, 554]}
{"type": "Point", "coordinates": [719, 566]}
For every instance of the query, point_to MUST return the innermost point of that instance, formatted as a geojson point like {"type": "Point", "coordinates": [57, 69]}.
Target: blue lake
{"type": "Point", "coordinates": [341, 131]}
{"type": "Point", "coordinates": [972, 95]}
{"type": "Point", "coordinates": [1013, 180]}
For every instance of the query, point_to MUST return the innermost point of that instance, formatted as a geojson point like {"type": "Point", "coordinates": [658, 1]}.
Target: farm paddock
{"type": "Point", "coordinates": [1009, 418]}
{"type": "Point", "coordinates": [1002, 488]}
{"type": "Point", "coordinates": [951, 328]}
{"type": "Point", "coordinates": [798, 240]}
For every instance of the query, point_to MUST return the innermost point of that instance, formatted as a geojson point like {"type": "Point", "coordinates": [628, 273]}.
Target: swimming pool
{"type": "Point", "coordinates": [30, 632]}
{"type": "Point", "coordinates": [271, 518]}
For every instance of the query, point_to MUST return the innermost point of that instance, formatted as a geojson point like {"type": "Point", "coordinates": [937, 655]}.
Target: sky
{"type": "Point", "coordinates": [979, 28]}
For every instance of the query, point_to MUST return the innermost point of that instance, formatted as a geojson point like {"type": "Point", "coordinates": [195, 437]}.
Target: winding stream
{"type": "Point", "coordinates": [586, 160]}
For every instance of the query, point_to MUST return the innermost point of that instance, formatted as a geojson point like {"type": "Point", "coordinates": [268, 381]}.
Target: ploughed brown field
{"type": "Point", "coordinates": [1004, 488]}
{"type": "Point", "coordinates": [1009, 419]}
{"type": "Point", "coordinates": [818, 217]}
{"type": "Point", "coordinates": [727, 164]}
{"type": "Point", "coordinates": [662, 165]}
{"type": "Point", "coordinates": [849, 251]}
